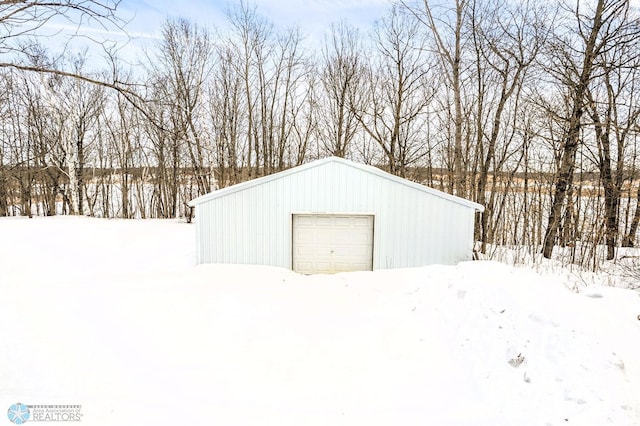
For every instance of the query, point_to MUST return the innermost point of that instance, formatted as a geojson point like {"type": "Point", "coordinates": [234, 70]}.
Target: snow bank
{"type": "Point", "coordinates": [113, 315]}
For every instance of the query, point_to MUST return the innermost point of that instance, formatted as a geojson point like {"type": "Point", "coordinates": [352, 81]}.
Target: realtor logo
{"type": "Point", "coordinates": [21, 413]}
{"type": "Point", "coordinates": [18, 413]}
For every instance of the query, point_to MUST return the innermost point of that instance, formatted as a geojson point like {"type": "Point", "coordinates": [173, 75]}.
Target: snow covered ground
{"type": "Point", "coordinates": [113, 315]}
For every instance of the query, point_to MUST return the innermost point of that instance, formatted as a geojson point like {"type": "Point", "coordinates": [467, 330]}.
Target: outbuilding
{"type": "Point", "coordinates": [333, 215]}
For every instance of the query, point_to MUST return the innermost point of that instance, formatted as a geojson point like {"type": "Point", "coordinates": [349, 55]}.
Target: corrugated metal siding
{"type": "Point", "coordinates": [412, 228]}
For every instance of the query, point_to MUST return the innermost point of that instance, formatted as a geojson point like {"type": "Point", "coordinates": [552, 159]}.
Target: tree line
{"type": "Point", "coordinates": [528, 108]}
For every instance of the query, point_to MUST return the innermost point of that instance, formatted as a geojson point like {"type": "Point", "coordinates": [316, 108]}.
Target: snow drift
{"type": "Point", "coordinates": [113, 315]}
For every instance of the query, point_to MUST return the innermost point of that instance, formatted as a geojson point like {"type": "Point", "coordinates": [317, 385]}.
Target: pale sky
{"type": "Point", "coordinates": [312, 16]}
{"type": "Point", "coordinates": [146, 17]}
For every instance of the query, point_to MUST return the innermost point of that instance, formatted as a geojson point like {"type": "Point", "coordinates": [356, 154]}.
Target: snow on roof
{"type": "Point", "coordinates": [319, 163]}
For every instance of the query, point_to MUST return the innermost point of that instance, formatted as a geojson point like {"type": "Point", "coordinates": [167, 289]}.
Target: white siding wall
{"type": "Point", "coordinates": [411, 227]}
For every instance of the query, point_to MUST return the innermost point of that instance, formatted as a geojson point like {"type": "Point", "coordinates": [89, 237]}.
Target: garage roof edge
{"type": "Point", "coordinates": [363, 167]}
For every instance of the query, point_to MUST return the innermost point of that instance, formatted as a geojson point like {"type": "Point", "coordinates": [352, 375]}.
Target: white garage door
{"type": "Point", "coordinates": [327, 243]}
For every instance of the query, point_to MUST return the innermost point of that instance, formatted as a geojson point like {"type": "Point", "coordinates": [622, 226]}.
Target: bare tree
{"type": "Point", "coordinates": [251, 37]}
{"type": "Point", "coordinates": [22, 21]}
{"type": "Point", "coordinates": [446, 26]}
{"type": "Point", "coordinates": [227, 110]}
{"type": "Point", "coordinates": [25, 18]}
{"type": "Point", "coordinates": [281, 92]}
{"type": "Point", "coordinates": [613, 108]}
{"type": "Point", "coordinates": [341, 78]}
{"type": "Point", "coordinates": [166, 154]}
{"type": "Point", "coordinates": [506, 42]}
{"type": "Point", "coordinates": [4, 185]}
{"type": "Point", "coordinates": [393, 113]}
{"type": "Point", "coordinates": [182, 67]}
{"type": "Point", "coordinates": [83, 102]}
{"type": "Point", "coordinates": [575, 56]}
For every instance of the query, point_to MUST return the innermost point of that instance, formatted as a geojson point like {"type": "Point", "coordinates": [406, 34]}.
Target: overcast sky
{"type": "Point", "coordinates": [312, 16]}
{"type": "Point", "coordinates": [146, 17]}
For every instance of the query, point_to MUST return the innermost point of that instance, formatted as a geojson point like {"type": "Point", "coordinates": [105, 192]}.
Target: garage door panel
{"type": "Point", "coordinates": [323, 238]}
{"type": "Point", "coordinates": [354, 253]}
{"type": "Point", "coordinates": [323, 222]}
{"type": "Point", "coordinates": [305, 250]}
{"type": "Point", "coordinates": [361, 221]}
{"type": "Point", "coordinates": [322, 251]}
{"type": "Point", "coordinates": [304, 220]}
{"type": "Point", "coordinates": [308, 267]}
{"type": "Point", "coordinates": [343, 267]}
{"type": "Point", "coordinates": [332, 243]}
{"type": "Point", "coordinates": [353, 239]}
{"type": "Point", "coordinates": [351, 254]}
{"type": "Point", "coordinates": [342, 252]}
{"type": "Point", "coordinates": [342, 222]}
{"type": "Point", "coordinates": [365, 237]}
{"type": "Point", "coordinates": [305, 234]}
{"type": "Point", "coordinates": [346, 237]}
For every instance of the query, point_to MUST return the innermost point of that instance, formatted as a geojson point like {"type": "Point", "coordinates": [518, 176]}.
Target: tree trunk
{"type": "Point", "coordinates": [572, 138]}
{"type": "Point", "coordinates": [629, 240]}
{"type": "Point", "coordinates": [79, 176]}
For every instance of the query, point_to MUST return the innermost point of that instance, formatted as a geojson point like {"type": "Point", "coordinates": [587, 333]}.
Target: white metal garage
{"type": "Point", "coordinates": [333, 215]}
